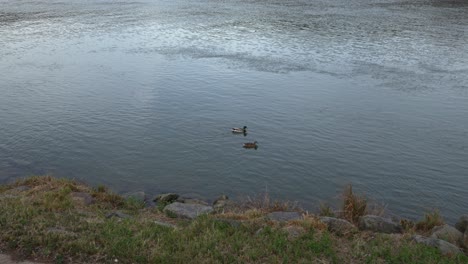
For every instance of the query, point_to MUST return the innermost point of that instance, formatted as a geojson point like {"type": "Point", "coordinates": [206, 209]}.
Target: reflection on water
{"type": "Point", "coordinates": [142, 95]}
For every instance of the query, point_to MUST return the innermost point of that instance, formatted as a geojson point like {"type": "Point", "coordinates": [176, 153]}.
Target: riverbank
{"type": "Point", "coordinates": [63, 221]}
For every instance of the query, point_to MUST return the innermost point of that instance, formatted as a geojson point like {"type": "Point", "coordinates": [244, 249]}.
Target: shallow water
{"type": "Point", "coordinates": [141, 96]}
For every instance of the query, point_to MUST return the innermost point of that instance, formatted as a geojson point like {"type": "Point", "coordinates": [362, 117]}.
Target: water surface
{"type": "Point", "coordinates": [140, 95]}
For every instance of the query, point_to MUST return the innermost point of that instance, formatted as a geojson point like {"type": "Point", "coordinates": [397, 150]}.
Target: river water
{"type": "Point", "coordinates": [141, 95]}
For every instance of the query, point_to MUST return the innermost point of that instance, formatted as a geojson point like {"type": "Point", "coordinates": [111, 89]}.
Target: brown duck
{"type": "Point", "coordinates": [250, 144]}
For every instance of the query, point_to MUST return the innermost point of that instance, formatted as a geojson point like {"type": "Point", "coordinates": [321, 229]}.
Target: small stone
{"type": "Point", "coordinates": [190, 211]}
{"type": "Point", "coordinates": [379, 224]}
{"type": "Point", "coordinates": [149, 203]}
{"type": "Point", "coordinates": [8, 196]}
{"type": "Point", "coordinates": [220, 202]}
{"type": "Point", "coordinates": [443, 246]}
{"type": "Point", "coordinates": [117, 214]}
{"type": "Point", "coordinates": [165, 224]}
{"type": "Point", "coordinates": [259, 231]}
{"type": "Point", "coordinates": [223, 205]}
{"type": "Point", "coordinates": [294, 232]}
{"type": "Point", "coordinates": [221, 198]}
{"type": "Point", "coordinates": [83, 198]}
{"type": "Point", "coordinates": [166, 198]}
{"type": "Point", "coordinates": [61, 231]}
{"type": "Point", "coordinates": [447, 233]}
{"type": "Point", "coordinates": [465, 239]}
{"type": "Point", "coordinates": [338, 226]}
{"type": "Point", "coordinates": [284, 216]}
{"type": "Point", "coordinates": [462, 224]}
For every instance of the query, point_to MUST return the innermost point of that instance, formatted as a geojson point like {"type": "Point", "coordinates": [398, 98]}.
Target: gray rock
{"type": "Point", "coordinates": [190, 211]}
{"type": "Point", "coordinates": [221, 198]}
{"type": "Point", "coordinates": [166, 198]}
{"type": "Point", "coordinates": [191, 201]}
{"type": "Point", "coordinates": [259, 231]}
{"type": "Point", "coordinates": [379, 224]}
{"type": "Point", "coordinates": [338, 226]}
{"type": "Point", "coordinates": [165, 224]}
{"type": "Point", "coordinates": [117, 214]}
{"type": "Point", "coordinates": [447, 233]}
{"type": "Point", "coordinates": [137, 196]}
{"type": "Point", "coordinates": [444, 246]}
{"type": "Point", "coordinates": [284, 216]}
{"type": "Point", "coordinates": [21, 188]}
{"type": "Point", "coordinates": [8, 196]}
{"type": "Point", "coordinates": [82, 197]}
{"type": "Point", "coordinates": [7, 259]}
{"type": "Point", "coordinates": [462, 224]}
{"type": "Point", "coordinates": [223, 203]}
{"type": "Point", "coordinates": [149, 203]}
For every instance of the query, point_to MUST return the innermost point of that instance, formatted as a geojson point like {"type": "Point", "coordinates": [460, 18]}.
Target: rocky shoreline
{"type": "Point", "coordinates": [98, 206]}
{"type": "Point", "coordinates": [447, 239]}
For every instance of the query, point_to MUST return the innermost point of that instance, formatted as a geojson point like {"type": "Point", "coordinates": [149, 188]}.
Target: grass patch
{"type": "Point", "coordinates": [326, 210]}
{"type": "Point", "coordinates": [44, 221]}
{"type": "Point", "coordinates": [132, 203]}
{"type": "Point", "coordinates": [385, 248]}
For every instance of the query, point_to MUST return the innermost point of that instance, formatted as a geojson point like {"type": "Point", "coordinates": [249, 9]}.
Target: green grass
{"type": "Point", "coordinates": [326, 210]}
{"type": "Point", "coordinates": [45, 221]}
{"type": "Point", "coordinates": [390, 249]}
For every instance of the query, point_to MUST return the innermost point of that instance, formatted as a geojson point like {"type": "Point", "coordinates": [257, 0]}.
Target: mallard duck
{"type": "Point", "coordinates": [250, 144]}
{"type": "Point", "coordinates": [239, 130]}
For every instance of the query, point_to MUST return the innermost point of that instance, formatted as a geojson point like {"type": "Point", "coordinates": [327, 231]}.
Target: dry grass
{"type": "Point", "coordinates": [354, 206]}
{"type": "Point", "coordinates": [431, 219]}
{"type": "Point", "coordinates": [264, 203]}
{"type": "Point", "coordinates": [311, 222]}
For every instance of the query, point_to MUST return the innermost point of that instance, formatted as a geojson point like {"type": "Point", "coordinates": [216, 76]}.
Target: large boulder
{"type": "Point", "coordinates": [379, 224]}
{"type": "Point", "coordinates": [444, 246]}
{"type": "Point", "coordinates": [447, 233]}
{"type": "Point", "coordinates": [338, 226]}
{"type": "Point", "coordinates": [462, 224]}
{"type": "Point", "coordinates": [189, 211]}
{"type": "Point", "coordinates": [284, 216]}
{"type": "Point", "coordinates": [166, 198]}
